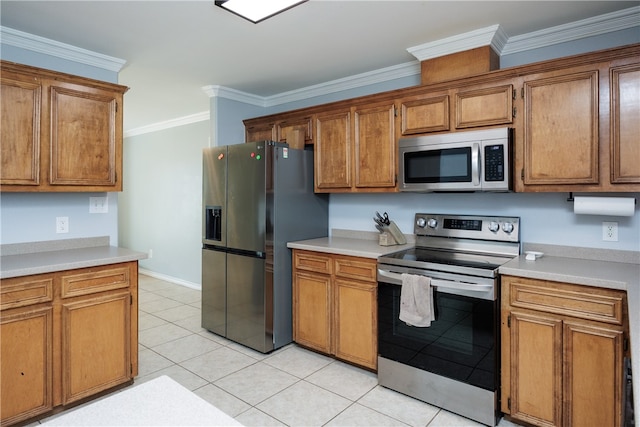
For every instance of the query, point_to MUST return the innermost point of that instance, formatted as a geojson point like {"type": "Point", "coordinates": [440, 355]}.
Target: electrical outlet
{"type": "Point", "coordinates": [150, 253]}
{"type": "Point", "coordinates": [62, 224]}
{"type": "Point", "coordinates": [98, 205]}
{"type": "Point", "coordinates": [610, 231]}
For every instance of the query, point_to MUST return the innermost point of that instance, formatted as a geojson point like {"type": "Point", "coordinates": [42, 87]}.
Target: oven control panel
{"type": "Point", "coordinates": [498, 228]}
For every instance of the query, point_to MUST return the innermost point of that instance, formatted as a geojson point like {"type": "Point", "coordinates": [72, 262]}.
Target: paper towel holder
{"type": "Point", "coordinates": [598, 205]}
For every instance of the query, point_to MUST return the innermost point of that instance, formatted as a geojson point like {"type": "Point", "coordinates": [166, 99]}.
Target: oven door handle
{"type": "Point", "coordinates": [438, 283]}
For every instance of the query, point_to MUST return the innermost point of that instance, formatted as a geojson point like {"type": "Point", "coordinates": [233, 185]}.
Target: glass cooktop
{"type": "Point", "coordinates": [425, 258]}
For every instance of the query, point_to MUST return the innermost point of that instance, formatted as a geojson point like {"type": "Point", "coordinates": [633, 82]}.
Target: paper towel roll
{"type": "Point", "coordinates": [610, 206]}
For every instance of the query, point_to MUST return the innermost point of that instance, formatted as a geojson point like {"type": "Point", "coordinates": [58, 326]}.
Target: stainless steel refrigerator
{"type": "Point", "coordinates": [256, 198]}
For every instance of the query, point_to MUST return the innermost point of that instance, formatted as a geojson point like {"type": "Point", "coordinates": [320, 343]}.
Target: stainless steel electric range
{"type": "Point", "coordinates": [454, 363]}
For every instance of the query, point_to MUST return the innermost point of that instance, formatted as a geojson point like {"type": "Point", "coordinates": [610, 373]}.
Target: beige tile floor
{"type": "Point", "coordinates": [289, 387]}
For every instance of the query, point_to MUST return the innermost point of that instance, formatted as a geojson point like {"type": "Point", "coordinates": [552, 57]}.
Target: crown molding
{"type": "Point", "coordinates": [381, 75]}
{"type": "Point", "coordinates": [214, 91]}
{"type": "Point", "coordinates": [493, 35]}
{"type": "Point", "coordinates": [168, 124]}
{"type": "Point", "coordinates": [597, 25]}
{"type": "Point", "coordinates": [34, 43]}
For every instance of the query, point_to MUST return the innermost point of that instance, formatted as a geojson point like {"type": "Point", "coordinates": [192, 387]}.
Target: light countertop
{"type": "Point", "coordinates": [342, 242]}
{"type": "Point", "coordinates": [47, 257]}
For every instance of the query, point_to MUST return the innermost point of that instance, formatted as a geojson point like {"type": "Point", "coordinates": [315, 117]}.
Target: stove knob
{"type": "Point", "coordinates": [421, 222]}
{"type": "Point", "coordinates": [432, 223]}
{"type": "Point", "coordinates": [507, 227]}
{"type": "Point", "coordinates": [494, 226]}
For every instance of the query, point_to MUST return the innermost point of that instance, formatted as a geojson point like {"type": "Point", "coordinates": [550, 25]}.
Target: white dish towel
{"type": "Point", "coordinates": [416, 300]}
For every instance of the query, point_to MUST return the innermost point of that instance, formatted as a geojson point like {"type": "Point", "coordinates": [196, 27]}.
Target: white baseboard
{"type": "Point", "coordinates": [170, 279]}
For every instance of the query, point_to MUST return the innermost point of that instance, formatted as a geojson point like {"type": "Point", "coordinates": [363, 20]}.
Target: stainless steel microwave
{"type": "Point", "coordinates": [462, 161]}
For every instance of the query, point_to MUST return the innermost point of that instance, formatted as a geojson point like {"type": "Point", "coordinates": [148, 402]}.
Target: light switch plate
{"type": "Point", "coordinates": [98, 205]}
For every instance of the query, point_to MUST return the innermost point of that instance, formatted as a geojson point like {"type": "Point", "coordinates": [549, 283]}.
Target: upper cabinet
{"type": "Point", "coordinates": [575, 122]}
{"type": "Point", "coordinates": [561, 127]}
{"type": "Point", "coordinates": [579, 128]}
{"type": "Point", "coordinates": [624, 124]}
{"type": "Point", "coordinates": [295, 130]}
{"type": "Point", "coordinates": [355, 149]}
{"type": "Point", "coordinates": [61, 133]}
{"type": "Point", "coordinates": [457, 109]}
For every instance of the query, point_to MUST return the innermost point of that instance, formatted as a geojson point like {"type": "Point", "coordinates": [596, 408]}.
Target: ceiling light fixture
{"type": "Point", "coordinates": [257, 10]}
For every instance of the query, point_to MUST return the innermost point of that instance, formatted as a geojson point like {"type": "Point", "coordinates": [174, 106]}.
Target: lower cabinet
{"type": "Point", "coordinates": [27, 363]}
{"type": "Point", "coordinates": [66, 336]}
{"type": "Point", "coordinates": [334, 306]}
{"type": "Point", "coordinates": [562, 353]}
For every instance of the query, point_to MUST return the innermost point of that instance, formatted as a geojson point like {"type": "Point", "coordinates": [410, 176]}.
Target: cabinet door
{"type": "Point", "coordinates": [484, 107]}
{"type": "Point", "coordinates": [312, 310]}
{"type": "Point", "coordinates": [296, 132]}
{"type": "Point", "coordinates": [355, 320]}
{"type": "Point", "coordinates": [20, 136]}
{"type": "Point", "coordinates": [260, 132]}
{"type": "Point", "coordinates": [424, 114]}
{"type": "Point", "coordinates": [625, 125]}
{"type": "Point", "coordinates": [536, 368]}
{"type": "Point", "coordinates": [332, 152]}
{"type": "Point", "coordinates": [96, 344]}
{"type": "Point", "coordinates": [26, 349]}
{"type": "Point", "coordinates": [86, 132]}
{"type": "Point", "coordinates": [561, 128]}
{"type": "Point", "coordinates": [375, 147]}
{"type": "Point", "coordinates": [593, 374]}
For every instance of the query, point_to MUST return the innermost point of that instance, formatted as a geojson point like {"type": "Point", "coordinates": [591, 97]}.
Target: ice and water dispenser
{"type": "Point", "coordinates": [213, 223]}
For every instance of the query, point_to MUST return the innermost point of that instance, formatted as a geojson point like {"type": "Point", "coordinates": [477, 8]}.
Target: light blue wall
{"type": "Point", "coordinates": [545, 218]}
{"type": "Point", "coordinates": [28, 217]}
{"type": "Point", "coordinates": [160, 208]}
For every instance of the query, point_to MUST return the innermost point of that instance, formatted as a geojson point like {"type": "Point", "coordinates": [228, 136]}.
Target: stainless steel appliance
{"type": "Point", "coordinates": [256, 198]}
{"type": "Point", "coordinates": [454, 363]}
{"type": "Point", "coordinates": [461, 161]}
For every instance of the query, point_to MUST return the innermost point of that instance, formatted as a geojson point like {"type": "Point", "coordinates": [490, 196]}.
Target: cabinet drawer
{"type": "Point", "coordinates": [22, 291]}
{"type": "Point", "coordinates": [356, 268]}
{"type": "Point", "coordinates": [312, 261]}
{"type": "Point", "coordinates": [585, 302]}
{"type": "Point", "coordinates": [93, 280]}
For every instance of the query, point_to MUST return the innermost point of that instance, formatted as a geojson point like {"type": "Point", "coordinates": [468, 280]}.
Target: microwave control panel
{"type": "Point", "coordinates": [494, 162]}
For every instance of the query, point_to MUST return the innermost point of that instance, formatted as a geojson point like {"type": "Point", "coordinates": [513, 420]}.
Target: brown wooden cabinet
{"type": "Point", "coordinates": [562, 353]}
{"type": "Point", "coordinates": [66, 336]}
{"type": "Point", "coordinates": [561, 119]}
{"type": "Point", "coordinates": [355, 149]}
{"type": "Point", "coordinates": [579, 130]}
{"type": "Point", "coordinates": [333, 151]}
{"type": "Point", "coordinates": [457, 109]}
{"type": "Point", "coordinates": [575, 122]}
{"type": "Point", "coordinates": [624, 123]}
{"type": "Point", "coordinates": [259, 130]}
{"type": "Point", "coordinates": [295, 130]}
{"type": "Point", "coordinates": [60, 132]}
{"type": "Point", "coordinates": [334, 306]}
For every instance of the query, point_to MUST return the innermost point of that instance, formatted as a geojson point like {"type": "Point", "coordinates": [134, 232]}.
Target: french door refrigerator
{"type": "Point", "coordinates": [256, 198]}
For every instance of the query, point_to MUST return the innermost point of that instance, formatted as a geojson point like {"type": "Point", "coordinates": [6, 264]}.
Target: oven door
{"type": "Point", "coordinates": [460, 344]}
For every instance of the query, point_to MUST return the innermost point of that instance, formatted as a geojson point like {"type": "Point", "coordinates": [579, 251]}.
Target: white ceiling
{"type": "Point", "coordinates": [174, 48]}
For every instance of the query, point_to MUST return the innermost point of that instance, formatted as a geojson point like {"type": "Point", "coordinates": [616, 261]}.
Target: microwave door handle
{"type": "Point", "coordinates": [475, 164]}
{"type": "Point", "coordinates": [397, 279]}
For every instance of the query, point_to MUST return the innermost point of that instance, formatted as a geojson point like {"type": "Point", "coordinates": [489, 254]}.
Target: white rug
{"type": "Point", "coordinates": [158, 402]}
